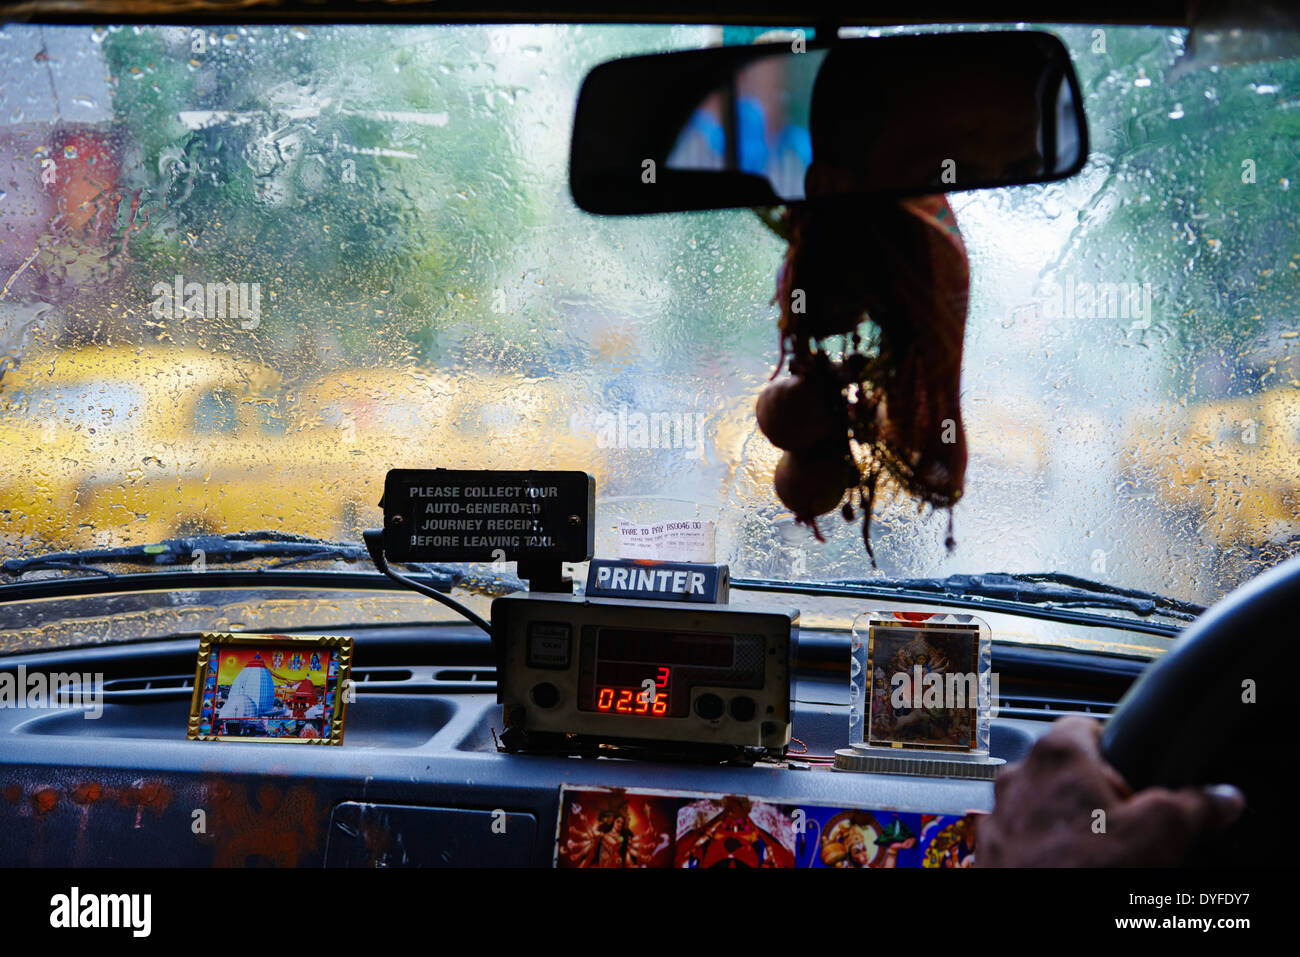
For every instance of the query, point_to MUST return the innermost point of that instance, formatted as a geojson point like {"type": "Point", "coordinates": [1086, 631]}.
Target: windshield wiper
{"type": "Point", "coordinates": [1041, 588]}
{"type": "Point", "coordinates": [217, 549]}
{"type": "Point", "coordinates": [1056, 593]}
{"type": "Point", "coordinates": [1074, 591]}
{"type": "Point", "coordinates": [1053, 595]}
{"type": "Point", "coordinates": [239, 547]}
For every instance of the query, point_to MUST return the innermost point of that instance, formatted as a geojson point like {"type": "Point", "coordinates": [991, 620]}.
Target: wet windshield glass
{"type": "Point", "coordinates": [244, 272]}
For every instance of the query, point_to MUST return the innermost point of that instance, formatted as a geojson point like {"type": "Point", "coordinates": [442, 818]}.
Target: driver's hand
{"type": "Point", "coordinates": [1064, 806]}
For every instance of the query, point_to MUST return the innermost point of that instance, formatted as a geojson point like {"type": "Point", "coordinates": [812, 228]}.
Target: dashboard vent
{"type": "Point", "coordinates": [153, 687]}
{"type": "Point", "coordinates": [369, 675]}
{"type": "Point", "coordinates": [480, 679]}
{"type": "Point", "coordinates": [467, 674]}
{"type": "Point", "coordinates": [1050, 708]}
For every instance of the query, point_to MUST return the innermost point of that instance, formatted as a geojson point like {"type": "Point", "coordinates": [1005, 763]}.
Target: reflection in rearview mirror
{"type": "Point", "coordinates": [762, 125]}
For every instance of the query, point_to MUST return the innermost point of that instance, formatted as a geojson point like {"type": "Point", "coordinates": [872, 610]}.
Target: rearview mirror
{"type": "Point", "coordinates": [763, 125]}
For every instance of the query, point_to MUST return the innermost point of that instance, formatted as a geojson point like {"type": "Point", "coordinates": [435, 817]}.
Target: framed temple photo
{"type": "Point", "coordinates": [285, 689]}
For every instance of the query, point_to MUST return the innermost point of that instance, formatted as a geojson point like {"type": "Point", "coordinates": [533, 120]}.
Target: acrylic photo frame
{"type": "Point", "coordinates": [921, 684]}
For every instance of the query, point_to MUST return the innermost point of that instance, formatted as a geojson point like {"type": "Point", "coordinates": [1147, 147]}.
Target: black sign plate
{"type": "Point", "coordinates": [446, 515]}
{"type": "Point", "coordinates": [658, 581]}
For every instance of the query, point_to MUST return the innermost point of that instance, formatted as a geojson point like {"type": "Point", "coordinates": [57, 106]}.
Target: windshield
{"type": "Point", "coordinates": [246, 271]}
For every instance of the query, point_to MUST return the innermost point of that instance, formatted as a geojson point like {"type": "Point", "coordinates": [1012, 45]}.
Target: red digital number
{"type": "Point", "coordinates": [637, 700]}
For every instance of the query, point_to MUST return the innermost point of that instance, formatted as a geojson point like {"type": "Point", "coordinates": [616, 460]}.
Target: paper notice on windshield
{"type": "Point", "coordinates": [687, 542]}
{"type": "Point", "coordinates": [667, 541]}
{"type": "Point", "coordinates": [639, 541]}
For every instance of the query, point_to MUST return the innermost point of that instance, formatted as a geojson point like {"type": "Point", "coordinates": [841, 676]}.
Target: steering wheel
{"type": "Point", "coordinates": [1200, 715]}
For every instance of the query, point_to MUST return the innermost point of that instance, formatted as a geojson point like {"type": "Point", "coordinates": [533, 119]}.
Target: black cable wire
{"type": "Point", "coordinates": [374, 540]}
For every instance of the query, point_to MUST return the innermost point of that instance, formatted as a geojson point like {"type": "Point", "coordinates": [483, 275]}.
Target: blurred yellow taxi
{"type": "Point", "coordinates": [149, 443]}
{"type": "Point", "coordinates": [354, 425]}
{"type": "Point", "coordinates": [133, 442]}
{"type": "Point", "coordinates": [1233, 463]}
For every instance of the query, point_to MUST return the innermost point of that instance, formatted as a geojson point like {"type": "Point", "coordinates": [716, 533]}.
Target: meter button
{"type": "Point", "coordinates": [549, 644]}
{"type": "Point", "coordinates": [709, 707]}
{"type": "Point", "coordinates": [546, 695]}
{"type": "Point", "coordinates": [743, 708]}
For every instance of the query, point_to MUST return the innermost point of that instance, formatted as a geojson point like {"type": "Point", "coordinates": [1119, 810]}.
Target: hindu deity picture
{"type": "Point", "coordinates": [615, 829]}
{"type": "Point", "coordinates": [734, 832]}
{"type": "Point", "coordinates": [923, 687]}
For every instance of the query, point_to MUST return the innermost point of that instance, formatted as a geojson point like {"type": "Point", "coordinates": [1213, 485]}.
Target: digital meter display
{"type": "Point", "coordinates": [649, 699]}
{"type": "Point", "coordinates": [651, 673]}
{"type": "Point", "coordinates": [578, 673]}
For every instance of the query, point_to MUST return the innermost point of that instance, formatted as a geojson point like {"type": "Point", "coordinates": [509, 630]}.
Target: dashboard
{"type": "Point", "coordinates": [420, 780]}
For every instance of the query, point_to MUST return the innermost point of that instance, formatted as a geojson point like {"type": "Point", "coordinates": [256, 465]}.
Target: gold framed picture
{"type": "Point", "coordinates": [286, 689]}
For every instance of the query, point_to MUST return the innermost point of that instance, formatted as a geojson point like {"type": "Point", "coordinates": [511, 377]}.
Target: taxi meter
{"type": "Point", "coordinates": [685, 674]}
{"type": "Point", "coordinates": [610, 671]}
